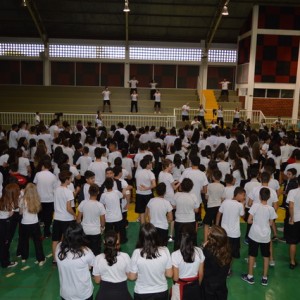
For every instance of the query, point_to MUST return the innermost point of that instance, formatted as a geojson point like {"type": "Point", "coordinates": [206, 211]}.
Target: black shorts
{"type": "Point", "coordinates": [235, 245]}
{"type": "Point", "coordinates": [116, 226]}
{"type": "Point", "coordinates": [141, 203]}
{"type": "Point", "coordinates": [210, 216]}
{"type": "Point", "coordinates": [253, 248]}
{"type": "Point", "coordinates": [162, 236]}
{"type": "Point", "coordinates": [106, 102]}
{"type": "Point", "coordinates": [283, 166]}
{"type": "Point", "coordinates": [156, 296]}
{"type": "Point", "coordinates": [185, 118]}
{"type": "Point", "coordinates": [156, 104]}
{"type": "Point", "coordinates": [59, 228]}
{"type": "Point", "coordinates": [293, 233]}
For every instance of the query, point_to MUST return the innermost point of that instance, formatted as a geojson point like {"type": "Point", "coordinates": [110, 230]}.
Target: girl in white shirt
{"type": "Point", "coordinates": [111, 269]}
{"type": "Point", "coordinates": [188, 266]}
{"type": "Point", "coordinates": [30, 205]}
{"type": "Point", "coordinates": [74, 261]}
{"type": "Point", "coordinates": [150, 265]}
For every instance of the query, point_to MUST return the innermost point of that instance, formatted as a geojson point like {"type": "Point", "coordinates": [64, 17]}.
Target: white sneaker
{"type": "Point", "coordinates": [170, 240]}
{"type": "Point", "coordinates": [12, 264]}
{"type": "Point", "coordinates": [23, 260]}
{"type": "Point", "coordinates": [272, 263]}
{"type": "Point", "coordinates": [41, 263]}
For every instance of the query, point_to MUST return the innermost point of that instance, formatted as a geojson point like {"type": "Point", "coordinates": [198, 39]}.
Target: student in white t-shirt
{"type": "Point", "coordinates": [145, 182]}
{"type": "Point", "coordinates": [23, 164]}
{"type": "Point", "coordinates": [293, 232]}
{"type": "Point", "coordinates": [91, 214]}
{"type": "Point", "coordinates": [111, 269]}
{"type": "Point", "coordinates": [74, 261]}
{"type": "Point", "coordinates": [106, 99]}
{"type": "Point", "coordinates": [113, 154]}
{"type": "Point", "coordinates": [229, 187]}
{"type": "Point", "coordinates": [150, 265]}
{"type": "Point", "coordinates": [111, 199]}
{"type": "Point", "coordinates": [261, 215]}
{"type": "Point", "coordinates": [159, 213]}
{"type": "Point", "coordinates": [84, 161]}
{"type": "Point", "coordinates": [231, 210]}
{"type": "Point", "coordinates": [30, 205]}
{"type": "Point", "coordinates": [98, 167]}
{"type": "Point", "coordinates": [157, 97]}
{"type": "Point", "coordinates": [64, 214]}
{"type": "Point", "coordinates": [188, 267]}
{"type": "Point", "coordinates": [214, 195]}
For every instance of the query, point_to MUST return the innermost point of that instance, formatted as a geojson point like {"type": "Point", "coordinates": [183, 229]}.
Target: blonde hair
{"type": "Point", "coordinates": [32, 199]}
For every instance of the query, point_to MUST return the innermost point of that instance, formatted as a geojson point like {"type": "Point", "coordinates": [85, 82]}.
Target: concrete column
{"type": "Point", "coordinates": [296, 93]}
{"type": "Point", "coordinates": [126, 68]}
{"type": "Point", "coordinates": [251, 70]}
{"type": "Point", "coordinates": [47, 66]}
{"type": "Point", "coordinates": [203, 76]}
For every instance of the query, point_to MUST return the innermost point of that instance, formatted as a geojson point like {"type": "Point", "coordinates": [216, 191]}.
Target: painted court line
{"type": "Point", "coordinates": [10, 275]}
{"type": "Point", "coordinates": [25, 268]}
{"type": "Point", "coordinates": [49, 255]}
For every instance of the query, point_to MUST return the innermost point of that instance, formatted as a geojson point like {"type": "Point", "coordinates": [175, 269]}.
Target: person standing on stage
{"type": "Point", "coordinates": [224, 92]}
{"type": "Point", "coordinates": [157, 96]}
{"type": "Point", "coordinates": [134, 99]}
{"type": "Point", "coordinates": [185, 112]}
{"type": "Point", "coordinates": [153, 85]}
{"type": "Point", "coordinates": [236, 117]}
{"type": "Point", "coordinates": [201, 116]}
{"type": "Point", "coordinates": [133, 85]}
{"type": "Point", "coordinates": [106, 99]}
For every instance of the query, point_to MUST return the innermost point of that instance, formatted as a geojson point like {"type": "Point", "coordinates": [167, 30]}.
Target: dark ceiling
{"type": "Point", "coordinates": [148, 20]}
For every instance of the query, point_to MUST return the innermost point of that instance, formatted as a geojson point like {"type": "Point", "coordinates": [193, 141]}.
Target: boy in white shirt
{"type": "Point", "coordinates": [230, 211]}
{"type": "Point", "coordinates": [91, 215]}
{"type": "Point", "coordinates": [261, 216]}
{"type": "Point", "coordinates": [84, 161]}
{"type": "Point", "coordinates": [159, 213]}
{"type": "Point", "coordinates": [229, 188]}
{"type": "Point", "coordinates": [63, 211]}
{"type": "Point", "coordinates": [214, 195]}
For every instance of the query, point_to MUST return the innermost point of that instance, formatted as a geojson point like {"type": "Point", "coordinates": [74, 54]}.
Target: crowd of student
{"type": "Point", "coordinates": [48, 172]}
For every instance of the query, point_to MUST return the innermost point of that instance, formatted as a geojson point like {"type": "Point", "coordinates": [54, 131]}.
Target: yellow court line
{"type": "Point", "coordinates": [49, 255]}
{"type": "Point", "coordinates": [25, 268]}
{"type": "Point", "coordinates": [10, 275]}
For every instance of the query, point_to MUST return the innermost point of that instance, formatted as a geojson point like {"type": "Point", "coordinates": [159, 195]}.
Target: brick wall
{"type": "Point", "coordinates": [271, 107]}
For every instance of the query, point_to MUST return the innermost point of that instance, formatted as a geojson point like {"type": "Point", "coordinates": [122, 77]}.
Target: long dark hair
{"type": "Point", "coordinates": [110, 247]}
{"type": "Point", "coordinates": [218, 245]}
{"type": "Point", "coordinates": [187, 243]}
{"type": "Point", "coordinates": [148, 241]}
{"type": "Point", "coordinates": [74, 242]}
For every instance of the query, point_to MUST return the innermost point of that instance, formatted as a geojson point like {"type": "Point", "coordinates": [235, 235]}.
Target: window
{"type": "Point", "coordinates": [166, 54]}
{"type": "Point", "coordinates": [260, 93]}
{"type": "Point", "coordinates": [273, 93]}
{"type": "Point", "coordinates": [222, 55]}
{"type": "Point", "coordinates": [287, 93]}
{"type": "Point", "coordinates": [31, 50]}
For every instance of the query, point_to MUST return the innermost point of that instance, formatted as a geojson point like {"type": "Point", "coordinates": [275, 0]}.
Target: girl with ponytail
{"type": "Point", "coordinates": [110, 270]}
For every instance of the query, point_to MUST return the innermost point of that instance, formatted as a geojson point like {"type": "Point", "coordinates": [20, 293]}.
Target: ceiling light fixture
{"type": "Point", "coordinates": [225, 10]}
{"type": "Point", "coordinates": [126, 7]}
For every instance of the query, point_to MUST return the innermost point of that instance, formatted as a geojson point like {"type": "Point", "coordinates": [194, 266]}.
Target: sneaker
{"type": "Point", "coordinates": [264, 281]}
{"type": "Point", "coordinates": [246, 241]}
{"type": "Point", "coordinates": [272, 263]}
{"type": "Point", "coordinates": [12, 264]}
{"type": "Point", "coordinates": [19, 256]}
{"type": "Point", "coordinates": [293, 266]}
{"type": "Point", "coordinates": [170, 240]}
{"type": "Point", "coordinates": [229, 273]}
{"type": "Point", "coordinates": [274, 238]}
{"type": "Point", "coordinates": [280, 229]}
{"type": "Point", "coordinates": [138, 220]}
{"type": "Point", "coordinates": [246, 260]}
{"type": "Point", "coordinates": [42, 262]}
{"type": "Point", "coordinates": [247, 279]}
{"type": "Point", "coordinates": [23, 260]}
{"type": "Point", "coordinates": [282, 240]}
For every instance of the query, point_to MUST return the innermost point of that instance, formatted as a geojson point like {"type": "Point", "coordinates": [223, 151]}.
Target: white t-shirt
{"type": "Point", "coordinates": [45, 183]}
{"type": "Point", "coordinates": [199, 179]}
{"type": "Point", "coordinates": [144, 177]}
{"type": "Point", "coordinates": [112, 156]}
{"type": "Point", "coordinates": [23, 165]}
{"type": "Point", "coordinates": [225, 85]}
{"type": "Point", "coordinates": [228, 192]}
{"type": "Point", "coordinates": [115, 273]}
{"type": "Point", "coordinates": [159, 207]}
{"type": "Point", "coordinates": [13, 139]}
{"type": "Point", "coordinates": [177, 172]}
{"type": "Point", "coordinates": [185, 110]}
{"type": "Point", "coordinates": [133, 83]}
{"type": "Point", "coordinates": [167, 179]}
{"type": "Point", "coordinates": [74, 275]}
{"type": "Point", "coordinates": [151, 272]}
{"type": "Point", "coordinates": [54, 129]}
{"type": "Point", "coordinates": [232, 210]}
{"type": "Point", "coordinates": [62, 195]}
{"type": "Point", "coordinates": [260, 230]}
{"type": "Point", "coordinates": [46, 137]}
{"type": "Point", "coordinates": [185, 204]}
{"type": "Point", "coordinates": [84, 162]}
{"type": "Point", "coordinates": [91, 211]}
{"type": "Point", "coordinates": [139, 156]}
{"type": "Point", "coordinates": [1, 184]}
{"type": "Point", "coordinates": [3, 159]}
{"type": "Point", "coordinates": [27, 217]}
{"type": "Point", "coordinates": [127, 164]}
{"type": "Point", "coordinates": [157, 97]}
{"type": "Point", "coordinates": [187, 270]}
{"type": "Point", "coordinates": [295, 166]}
{"type": "Point", "coordinates": [214, 192]}
{"type": "Point", "coordinates": [106, 95]}
{"type": "Point", "coordinates": [249, 186]}
{"type": "Point", "coordinates": [294, 196]}
{"type": "Point", "coordinates": [98, 167]}
{"type": "Point", "coordinates": [254, 195]}
{"type": "Point", "coordinates": [111, 201]}
{"type": "Point", "coordinates": [238, 177]}
{"type": "Point", "coordinates": [224, 167]}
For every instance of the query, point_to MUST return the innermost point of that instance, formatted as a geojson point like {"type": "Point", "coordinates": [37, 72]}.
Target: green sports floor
{"type": "Point", "coordinates": [29, 281]}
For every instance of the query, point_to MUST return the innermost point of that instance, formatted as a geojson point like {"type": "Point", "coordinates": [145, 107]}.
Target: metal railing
{"type": "Point", "coordinates": [9, 118]}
